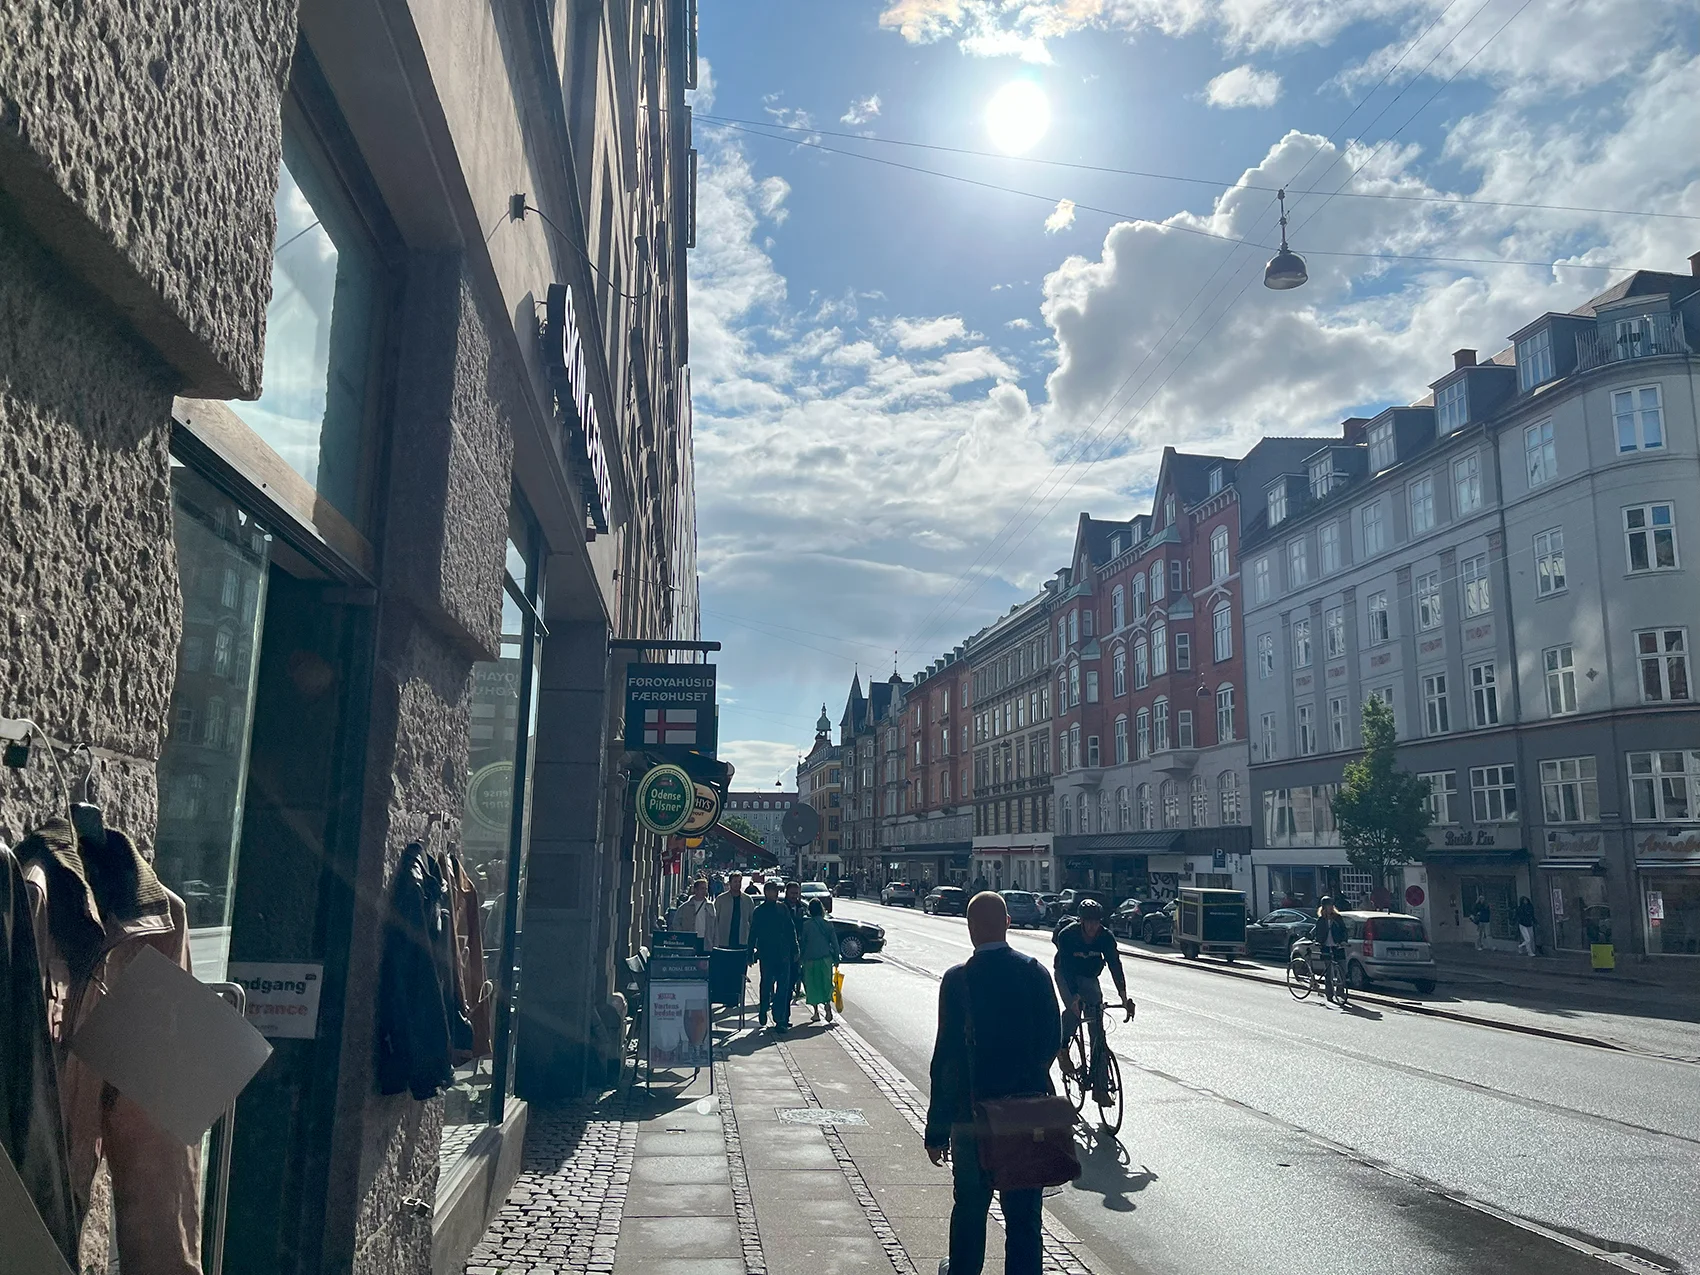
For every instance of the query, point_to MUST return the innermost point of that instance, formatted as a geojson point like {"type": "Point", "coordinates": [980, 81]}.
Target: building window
{"type": "Point", "coordinates": [1183, 729]}
{"type": "Point", "coordinates": [1160, 726]}
{"type": "Point", "coordinates": [1260, 580]}
{"type": "Point", "coordinates": [1384, 694]}
{"type": "Point", "coordinates": [1169, 510]}
{"type": "Point", "coordinates": [1157, 585]}
{"type": "Point", "coordinates": [1141, 665]}
{"type": "Point", "coordinates": [1116, 545]}
{"type": "Point", "coordinates": [1650, 536]}
{"type": "Point", "coordinates": [1328, 547]}
{"type": "Point", "coordinates": [1484, 695]}
{"type": "Point", "coordinates": [1381, 453]}
{"type": "Point", "coordinates": [1091, 686]}
{"type": "Point", "coordinates": [1307, 729]}
{"type": "Point", "coordinates": [1228, 796]}
{"type": "Point", "coordinates": [1298, 564]}
{"type": "Point", "coordinates": [1086, 622]}
{"type": "Point", "coordinates": [1159, 649]}
{"type": "Point", "coordinates": [1062, 634]}
{"type": "Point", "coordinates": [1534, 360]}
{"type": "Point", "coordinates": [1224, 714]}
{"type": "Point", "coordinates": [1139, 596]}
{"type": "Point", "coordinates": [1200, 801]}
{"type": "Point", "coordinates": [1121, 741]}
{"type": "Point", "coordinates": [1092, 752]}
{"type": "Point", "coordinates": [1216, 479]}
{"type": "Point", "coordinates": [1065, 815]}
{"type": "Point", "coordinates": [1073, 685]}
{"type": "Point", "coordinates": [1123, 813]}
{"type": "Point", "coordinates": [1664, 787]}
{"type": "Point", "coordinates": [1183, 650]}
{"type": "Point", "coordinates": [1375, 529]}
{"type": "Point", "coordinates": [1549, 562]}
{"type": "Point", "coordinates": [1265, 656]}
{"type": "Point", "coordinates": [1073, 627]}
{"type": "Point", "coordinates": [1176, 585]}
{"type": "Point", "coordinates": [1451, 408]}
{"type": "Point", "coordinates": [1428, 601]}
{"type": "Point", "coordinates": [1278, 503]}
{"type": "Point", "coordinates": [1422, 506]}
{"type": "Point", "coordinates": [1321, 477]}
{"type": "Point", "coordinates": [1442, 795]}
{"type": "Point", "coordinates": [1222, 632]}
{"type": "Point", "coordinates": [1380, 626]}
{"type": "Point", "coordinates": [1560, 666]}
{"type": "Point", "coordinates": [1436, 716]}
{"type": "Point", "coordinates": [1171, 804]}
{"type": "Point", "coordinates": [1663, 654]}
{"type": "Point", "coordinates": [1117, 602]}
{"type": "Point", "coordinates": [1493, 793]}
{"type": "Point", "coordinates": [1639, 417]}
{"type": "Point", "coordinates": [1333, 633]}
{"type": "Point", "coordinates": [1118, 671]}
{"type": "Point", "coordinates": [1147, 815]}
{"type": "Point", "coordinates": [1540, 453]}
{"type": "Point", "coordinates": [1301, 643]}
{"type": "Point", "coordinates": [1219, 554]}
{"type": "Point", "coordinates": [1074, 747]}
{"type": "Point", "coordinates": [1570, 790]}
{"type": "Point", "coordinates": [1337, 722]}
{"type": "Point", "coordinates": [1466, 484]}
{"type": "Point", "coordinates": [1478, 595]}
{"type": "Point", "coordinates": [1142, 734]}
{"type": "Point", "coordinates": [1268, 736]}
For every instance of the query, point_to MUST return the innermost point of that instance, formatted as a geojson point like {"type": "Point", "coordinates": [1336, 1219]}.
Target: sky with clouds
{"type": "Point", "coordinates": [916, 360]}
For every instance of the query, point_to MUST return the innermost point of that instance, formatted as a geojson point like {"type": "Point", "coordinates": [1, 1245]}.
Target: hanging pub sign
{"type": "Point", "coordinates": [666, 798]}
{"type": "Point", "coordinates": [705, 812]}
{"type": "Point", "coordinates": [671, 707]}
{"type": "Point", "coordinates": [563, 355]}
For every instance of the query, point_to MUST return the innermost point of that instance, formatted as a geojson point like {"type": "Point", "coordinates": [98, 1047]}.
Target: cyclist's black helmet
{"type": "Point", "coordinates": [1090, 910]}
{"type": "Point", "coordinates": [1324, 902]}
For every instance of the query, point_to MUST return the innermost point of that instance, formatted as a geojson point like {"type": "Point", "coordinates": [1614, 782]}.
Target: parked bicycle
{"type": "Point", "coordinates": [1309, 970]}
{"type": "Point", "coordinates": [1090, 1069]}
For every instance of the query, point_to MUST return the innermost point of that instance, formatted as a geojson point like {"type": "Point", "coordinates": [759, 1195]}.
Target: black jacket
{"type": "Point", "coordinates": [773, 934]}
{"type": "Point", "coordinates": [1329, 932]}
{"type": "Point", "coordinates": [1080, 960]}
{"type": "Point", "coordinates": [999, 1032]}
{"type": "Point", "coordinates": [32, 1125]}
{"type": "Point", "coordinates": [1525, 913]}
{"type": "Point", "coordinates": [419, 1015]}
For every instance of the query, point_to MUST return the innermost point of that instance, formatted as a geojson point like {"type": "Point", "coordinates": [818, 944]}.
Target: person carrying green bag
{"type": "Point", "coordinates": [820, 956]}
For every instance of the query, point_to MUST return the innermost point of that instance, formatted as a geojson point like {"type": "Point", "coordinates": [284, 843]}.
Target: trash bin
{"type": "Point", "coordinates": [726, 970]}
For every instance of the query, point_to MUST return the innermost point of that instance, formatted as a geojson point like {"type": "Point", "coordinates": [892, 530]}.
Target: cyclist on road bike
{"type": "Point", "coordinates": [1330, 936]}
{"type": "Point", "coordinates": [1084, 947]}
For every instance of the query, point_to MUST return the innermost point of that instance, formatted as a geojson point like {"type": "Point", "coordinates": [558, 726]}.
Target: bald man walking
{"type": "Point", "coordinates": [999, 1031]}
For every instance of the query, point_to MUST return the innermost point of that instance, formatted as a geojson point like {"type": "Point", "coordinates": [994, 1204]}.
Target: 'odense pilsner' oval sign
{"type": "Point", "coordinates": [665, 799]}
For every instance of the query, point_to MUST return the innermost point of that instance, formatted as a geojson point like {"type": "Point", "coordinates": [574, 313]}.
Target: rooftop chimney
{"type": "Point", "coordinates": [1694, 265]}
{"type": "Point", "coordinates": [1463, 358]}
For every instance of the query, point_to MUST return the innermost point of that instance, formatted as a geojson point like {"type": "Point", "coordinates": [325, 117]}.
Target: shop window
{"type": "Point", "coordinates": [1672, 909]}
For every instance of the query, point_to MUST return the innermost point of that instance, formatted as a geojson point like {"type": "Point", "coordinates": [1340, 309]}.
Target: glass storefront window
{"type": "Point", "coordinates": [1672, 908]}
{"type": "Point", "coordinates": [1586, 916]}
{"type": "Point", "coordinates": [321, 331]}
{"type": "Point", "coordinates": [222, 558]}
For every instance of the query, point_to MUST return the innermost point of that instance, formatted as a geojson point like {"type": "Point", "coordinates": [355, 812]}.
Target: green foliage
{"type": "Point", "coordinates": [1382, 811]}
{"type": "Point", "coordinates": [743, 827]}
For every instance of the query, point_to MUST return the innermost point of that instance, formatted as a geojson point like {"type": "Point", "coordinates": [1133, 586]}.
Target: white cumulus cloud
{"type": "Point", "coordinates": [1243, 86]}
{"type": "Point", "coordinates": [861, 110]}
{"type": "Point", "coordinates": [1061, 217]}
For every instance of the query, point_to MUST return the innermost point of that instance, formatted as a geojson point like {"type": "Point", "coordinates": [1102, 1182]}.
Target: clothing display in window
{"type": "Point", "coordinates": [96, 903]}
{"type": "Point", "coordinates": [32, 1126]}
{"type": "Point", "coordinates": [477, 994]}
{"type": "Point", "coordinates": [420, 1023]}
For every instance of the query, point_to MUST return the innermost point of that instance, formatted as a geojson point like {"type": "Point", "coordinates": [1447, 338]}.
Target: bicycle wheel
{"type": "Point", "coordinates": [1075, 1075]}
{"type": "Point", "coordinates": [1300, 981]}
{"type": "Point", "coordinates": [1110, 1114]}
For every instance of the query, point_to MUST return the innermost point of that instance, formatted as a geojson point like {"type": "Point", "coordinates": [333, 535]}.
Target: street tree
{"type": "Point", "coordinates": [743, 827]}
{"type": "Point", "coordinates": [1382, 811]}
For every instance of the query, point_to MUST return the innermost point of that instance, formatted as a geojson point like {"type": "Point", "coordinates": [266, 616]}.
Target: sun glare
{"type": "Point", "coordinates": [1018, 115]}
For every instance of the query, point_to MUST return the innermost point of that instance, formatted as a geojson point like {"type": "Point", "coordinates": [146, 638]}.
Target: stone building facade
{"type": "Point", "coordinates": [1011, 741]}
{"type": "Point", "coordinates": [344, 421]}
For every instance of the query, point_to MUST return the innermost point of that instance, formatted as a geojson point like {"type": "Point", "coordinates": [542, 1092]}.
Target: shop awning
{"type": "Point", "coordinates": [1667, 865]}
{"type": "Point", "coordinates": [1472, 856]}
{"type": "Point", "coordinates": [1571, 865]}
{"type": "Point", "coordinates": [734, 846]}
{"type": "Point", "coordinates": [1120, 843]}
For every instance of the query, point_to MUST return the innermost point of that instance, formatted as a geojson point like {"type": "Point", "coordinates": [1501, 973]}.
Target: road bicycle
{"type": "Point", "coordinates": [1308, 971]}
{"type": "Point", "coordinates": [1088, 1053]}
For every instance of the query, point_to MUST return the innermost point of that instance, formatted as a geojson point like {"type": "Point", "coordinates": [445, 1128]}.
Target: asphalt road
{"type": "Point", "coordinates": [1267, 1134]}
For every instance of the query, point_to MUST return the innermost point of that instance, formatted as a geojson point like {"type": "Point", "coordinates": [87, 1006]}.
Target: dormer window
{"type": "Point", "coordinates": [1116, 546]}
{"type": "Point", "coordinates": [1451, 408]}
{"type": "Point", "coordinates": [1169, 510]}
{"type": "Point", "coordinates": [1216, 480]}
{"type": "Point", "coordinates": [1321, 476]}
{"type": "Point", "coordinates": [1278, 504]}
{"type": "Point", "coordinates": [1534, 360]}
{"type": "Point", "coordinates": [1381, 451]}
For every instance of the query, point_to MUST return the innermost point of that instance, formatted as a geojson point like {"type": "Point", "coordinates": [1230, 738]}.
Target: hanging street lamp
{"type": "Point", "coordinates": [1286, 269]}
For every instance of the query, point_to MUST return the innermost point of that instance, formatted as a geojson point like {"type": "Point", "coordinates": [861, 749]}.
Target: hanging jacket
{"type": "Point", "coordinates": [477, 994]}
{"type": "Point", "coordinates": [419, 1017]}
{"type": "Point", "coordinates": [32, 1125]}
{"type": "Point", "coordinates": [95, 906]}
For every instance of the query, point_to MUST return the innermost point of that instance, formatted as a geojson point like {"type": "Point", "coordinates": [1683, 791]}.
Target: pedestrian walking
{"type": "Point", "coordinates": [696, 914]}
{"type": "Point", "coordinates": [799, 914]}
{"type": "Point", "coordinates": [999, 1031]}
{"type": "Point", "coordinates": [1526, 926]}
{"type": "Point", "coordinates": [773, 937]}
{"type": "Point", "coordinates": [1483, 917]}
{"type": "Point", "coordinates": [819, 952]}
{"type": "Point", "coordinates": [732, 913]}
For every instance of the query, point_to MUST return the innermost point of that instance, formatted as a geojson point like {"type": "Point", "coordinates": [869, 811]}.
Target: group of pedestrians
{"type": "Point", "coordinates": [793, 945]}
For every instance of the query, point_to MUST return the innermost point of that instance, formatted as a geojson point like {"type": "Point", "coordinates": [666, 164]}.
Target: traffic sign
{"type": "Point", "coordinates": [665, 799]}
{"type": "Point", "coordinates": [800, 825]}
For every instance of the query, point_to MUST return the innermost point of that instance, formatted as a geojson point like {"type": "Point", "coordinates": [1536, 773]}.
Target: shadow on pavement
{"type": "Point", "coordinates": [1105, 1171]}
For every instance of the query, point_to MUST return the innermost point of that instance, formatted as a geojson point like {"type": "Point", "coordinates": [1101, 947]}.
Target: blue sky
{"type": "Point", "coordinates": [906, 388]}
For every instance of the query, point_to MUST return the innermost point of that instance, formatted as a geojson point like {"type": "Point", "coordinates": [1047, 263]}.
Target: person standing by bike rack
{"type": "Point", "coordinates": [1330, 936]}
{"type": "Point", "coordinates": [1084, 947]}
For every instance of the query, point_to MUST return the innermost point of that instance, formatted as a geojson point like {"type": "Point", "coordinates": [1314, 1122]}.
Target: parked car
{"type": "Point", "coordinates": [1052, 905]}
{"type": "Point", "coordinates": [1382, 946]}
{"type": "Point", "coordinates": [817, 890]}
{"type": "Point", "coordinates": [1024, 908]}
{"type": "Point", "coordinates": [1124, 921]}
{"type": "Point", "coordinates": [845, 889]}
{"type": "Point", "coordinates": [1157, 922]}
{"type": "Point", "coordinates": [857, 938]}
{"type": "Point", "coordinates": [946, 900]}
{"type": "Point", "coordinates": [1072, 899]}
{"type": "Point", "coordinates": [1276, 933]}
{"type": "Point", "coordinates": [898, 892]}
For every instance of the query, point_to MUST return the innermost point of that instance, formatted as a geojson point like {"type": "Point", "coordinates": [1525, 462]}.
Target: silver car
{"type": "Point", "coordinates": [1388, 947]}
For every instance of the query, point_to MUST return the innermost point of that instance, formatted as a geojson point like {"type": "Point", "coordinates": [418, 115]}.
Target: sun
{"type": "Point", "coordinates": [1018, 115]}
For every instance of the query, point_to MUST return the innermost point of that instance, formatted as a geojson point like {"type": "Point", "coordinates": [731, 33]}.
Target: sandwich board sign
{"type": "Point", "coordinates": [671, 707]}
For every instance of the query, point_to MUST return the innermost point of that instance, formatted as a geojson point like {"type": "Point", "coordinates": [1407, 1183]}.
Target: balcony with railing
{"type": "Point", "coordinates": [1642, 337]}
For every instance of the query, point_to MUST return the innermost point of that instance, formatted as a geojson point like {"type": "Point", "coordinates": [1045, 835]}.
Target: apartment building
{"type": "Point", "coordinates": [820, 783]}
{"type": "Point", "coordinates": [1502, 563]}
{"type": "Point", "coordinates": [926, 838]}
{"type": "Point", "coordinates": [861, 731]}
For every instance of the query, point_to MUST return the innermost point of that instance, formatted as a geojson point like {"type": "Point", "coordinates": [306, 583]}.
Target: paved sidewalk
{"type": "Point", "coordinates": [806, 1160]}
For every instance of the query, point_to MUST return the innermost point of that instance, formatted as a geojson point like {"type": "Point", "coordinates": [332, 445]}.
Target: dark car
{"type": "Point", "coordinates": [817, 890]}
{"type": "Point", "coordinates": [1276, 933]}
{"type": "Point", "coordinates": [845, 889]}
{"type": "Point", "coordinates": [946, 900]}
{"type": "Point", "coordinates": [1024, 908]}
{"type": "Point", "coordinates": [1124, 921]}
{"type": "Point", "coordinates": [1072, 899]}
{"type": "Point", "coordinates": [1149, 919]}
{"type": "Point", "coordinates": [857, 938]}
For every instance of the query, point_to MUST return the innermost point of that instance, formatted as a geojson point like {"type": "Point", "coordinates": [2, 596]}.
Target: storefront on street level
{"type": "Point", "coordinates": [1668, 871]}
{"type": "Point", "coordinates": [1156, 864]}
{"type": "Point", "coordinates": [1018, 861]}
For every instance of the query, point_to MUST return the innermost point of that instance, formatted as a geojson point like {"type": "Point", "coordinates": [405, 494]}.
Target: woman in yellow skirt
{"type": "Point", "coordinates": [820, 957]}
